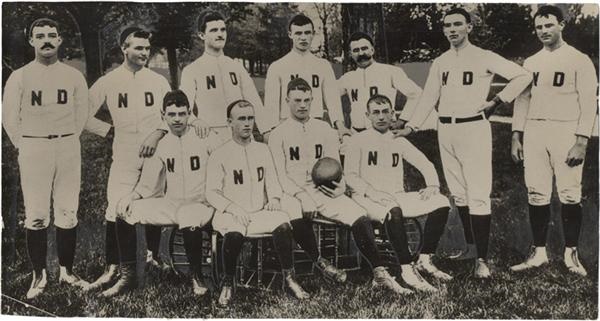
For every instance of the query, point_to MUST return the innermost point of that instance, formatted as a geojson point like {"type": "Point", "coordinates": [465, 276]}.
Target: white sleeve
{"type": "Point", "coordinates": [352, 168]}
{"type": "Point", "coordinates": [586, 84]}
{"type": "Point", "coordinates": [215, 176]}
{"type": "Point", "coordinates": [272, 97]}
{"type": "Point", "coordinates": [408, 88]}
{"type": "Point", "coordinates": [429, 98]}
{"type": "Point", "coordinates": [416, 158]}
{"type": "Point", "coordinates": [518, 77]}
{"type": "Point", "coordinates": [331, 94]}
{"type": "Point", "coordinates": [97, 98]}
{"type": "Point", "coordinates": [11, 107]}
{"type": "Point", "coordinates": [82, 103]}
{"type": "Point", "coordinates": [152, 178]}
{"type": "Point", "coordinates": [276, 147]}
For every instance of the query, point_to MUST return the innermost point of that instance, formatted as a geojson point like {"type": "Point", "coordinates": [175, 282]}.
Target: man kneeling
{"type": "Point", "coordinates": [242, 185]}
{"type": "Point", "coordinates": [374, 169]}
{"type": "Point", "coordinates": [180, 159]}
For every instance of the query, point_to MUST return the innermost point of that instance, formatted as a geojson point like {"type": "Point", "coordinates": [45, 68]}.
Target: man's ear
{"type": "Point", "coordinates": [201, 35]}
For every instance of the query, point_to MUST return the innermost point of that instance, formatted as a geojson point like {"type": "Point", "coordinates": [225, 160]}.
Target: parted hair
{"type": "Point", "coordinates": [459, 11]}
{"type": "Point", "coordinates": [545, 11]}
{"type": "Point", "coordinates": [241, 103]}
{"type": "Point", "coordinates": [361, 35]}
{"type": "Point", "coordinates": [378, 99]}
{"type": "Point", "coordinates": [175, 97]}
{"type": "Point", "coordinates": [298, 84]}
{"type": "Point", "coordinates": [208, 16]}
{"type": "Point", "coordinates": [300, 20]}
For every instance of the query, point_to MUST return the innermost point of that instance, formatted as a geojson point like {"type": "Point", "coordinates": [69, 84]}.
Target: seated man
{"type": "Point", "coordinates": [180, 159]}
{"type": "Point", "coordinates": [297, 144]}
{"type": "Point", "coordinates": [242, 185]}
{"type": "Point", "coordinates": [375, 172]}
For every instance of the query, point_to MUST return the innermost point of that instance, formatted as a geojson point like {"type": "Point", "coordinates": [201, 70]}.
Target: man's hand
{"type": "Point", "coordinates": [489, 107]}
{"type": "Point", "coordinates": [342, 130]}
{"type": "Point", "coordinates": [273, 205]}
{"type": "Point", "coordinates": [379, 197]}
{"type": "Point", "coordinates": [239, 213]}
{"type": "Point", "coordinates": [340, 188]}
{"type": "Point", "coordinates": [428, 192]}
{"type": "Point", "coordinates": [576, 154]}
{"type": "Point", "coordinates": [149, 145]}
{"type": "Point", "coordinates": [516, 148]}
{"type": "Point", "coordinates": [124, 204]}
{"type": "Point", "coordinates": [202, 128]}
{"type": "Point", "coordinates": [402, 132]}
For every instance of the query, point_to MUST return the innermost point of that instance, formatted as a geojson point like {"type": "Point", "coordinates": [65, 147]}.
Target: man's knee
{"type": "Point", "coordinates": [570, 195]}
{"type": "Point", "coordinates": [65, 219]}
{"type": "Point", "coordinates": [37, 223]}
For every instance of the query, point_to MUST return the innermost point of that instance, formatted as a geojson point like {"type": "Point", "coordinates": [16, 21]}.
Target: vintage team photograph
{"type": "Point", "coordinates": [300, 160]}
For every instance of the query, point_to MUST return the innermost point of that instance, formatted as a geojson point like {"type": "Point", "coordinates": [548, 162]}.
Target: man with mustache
{"type": "Point", "coordinates": [460, 80]}
{"type": "Point", "coordinates": [133, 95]}
{"type": "Point", "coordinates": [552, 123]}
{"type": "Point", "coordinates": [301, 63]}
{"type": "Point", "coordinates": [371, 78]}
{"type": "Point", "coordinates": [45, 107]}
{"type": "Point", "coordinates": [213, 81]}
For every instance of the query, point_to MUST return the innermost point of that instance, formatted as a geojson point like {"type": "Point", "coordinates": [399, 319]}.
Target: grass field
{"type": "Point", "coordinates": [549, 293]}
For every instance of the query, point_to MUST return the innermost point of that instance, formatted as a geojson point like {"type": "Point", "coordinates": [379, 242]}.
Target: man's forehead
{"type": "Point", "coordinates": [134, 42]}
{"type": "Point", "coordinates": [242, 110]}
{"type": "Point", "coordinates": [360, 43]}
{"type": "Point", "coordinates": [175, 108]}
{"type": "Point", "coordinates": [215, 24]}
{"type": "Point", "coordinates": [379, 106]}
{"type": "Point", "coordinates": [545, 19]}
{"type": "Point", "coordinates": [305, 27]}
{"type": "Point", "coordinates": [299, 93]}
{"type": "Point", "coordinates": [44, 29]}
{"type": "Point", "coordinates": [454, 18]}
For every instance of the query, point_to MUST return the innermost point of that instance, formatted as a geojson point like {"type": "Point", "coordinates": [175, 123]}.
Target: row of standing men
{"type": "Point", "coordinates": [560, 101]}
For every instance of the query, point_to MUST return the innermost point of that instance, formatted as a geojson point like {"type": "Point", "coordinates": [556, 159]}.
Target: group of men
{"type": "Point", "coordinates": [218, 175]}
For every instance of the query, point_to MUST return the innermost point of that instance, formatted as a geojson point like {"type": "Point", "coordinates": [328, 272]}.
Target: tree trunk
{"type": "Point", "coordinates": [173, 69]}
{"type": "Point", "coordinates": [325, 39]}
{"type": "Point", "coordinates": [91, 44]}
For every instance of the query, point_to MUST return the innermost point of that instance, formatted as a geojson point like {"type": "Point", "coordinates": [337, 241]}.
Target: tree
{"type": "Point", "coordinates": [326, 12]}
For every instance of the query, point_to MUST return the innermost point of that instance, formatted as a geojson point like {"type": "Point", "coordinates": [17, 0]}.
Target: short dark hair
{"type": "Point", "coordinates": [545, 11]}
{"type": "Point", "coordinates": [176, 97]}
{"type": "Point", "coordinates": [135, 32]}
{"type": "Point", "coordinates": [242, 102]}
{"type": "Point", "coordinates": [378, 99]}
{"type": "Point", "coordinates": [361, 35]}
{"type": "Point", "coordinates": [459, 11]}
{"type": "Point", "coordinates": [298, 84]}
{"type": "Point", "coordinates": [42, 22]}
{"type": "Point", "coordinates": [207, 17]}
{"type": "Point", "coordinates": [300, 20]}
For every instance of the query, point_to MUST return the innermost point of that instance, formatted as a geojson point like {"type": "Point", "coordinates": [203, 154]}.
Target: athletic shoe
{"type": "Point", "coordinates": [482, 271]}
{"type": "Point", "coordinates": [331, 272]}
{"type": "Point", "coordinates": [293, 286]}
{"type": "Point", "coordinates": [424, 264]}
{"type": "Point", "coordinates": [38, 284]}
{"type": "Point", "coordinates": [111, 273]}
{"type": "Point", "coordinates": [198, 286]}
{"type": "Point", "coordinates": [156, 263]}
{"type": "Point", "coordinates": [411, 276]}
{"type": "Point", "coordinates": [537, 258]}
{"type": "Point", "coordinates": [71, 278]}
{"type": "Point", "coordinates": [381, 278]}
{"type": "Point", "coordinates": [572, 261]}
{"type": "Point", "coordinates": [127, 282]}
{"type": "Point", "coordinates": [226, 294]}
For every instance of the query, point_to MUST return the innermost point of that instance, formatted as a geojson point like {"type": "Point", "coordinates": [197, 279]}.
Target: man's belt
{"type": "Point", "coordinates": [49, 136]}
{"type": "Point", "coordinates": [453, 120]}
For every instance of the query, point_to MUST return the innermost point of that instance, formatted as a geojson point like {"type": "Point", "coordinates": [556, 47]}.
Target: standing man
{"type": "Point", "coordinates": [460, 80]}
{"type": "Point", "coordinates": [300, 62]}
{"type": "Point", "coordinates": [45, 107]}
{"type": "Point", "coordinates": [552, 123]}
{"type": "Point", "coordinates": [297, 144]}
{"type": "Point", "coordinates": [242, 185]}
{"type": "Point", "coordinates": [214, 81]}
{"type": "Point", "coordinates": [371, 78]}
{"type": "Point", "coordinates": [133, 96]}
{"type": "Point", "coordinates": [180, 159]}
{"type": "Point", "coordinates": [375, 171]}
